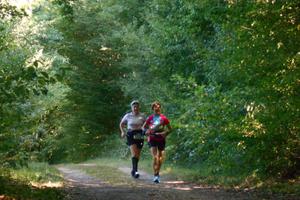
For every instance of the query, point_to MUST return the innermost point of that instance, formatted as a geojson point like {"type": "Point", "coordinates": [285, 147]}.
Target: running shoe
{"type": "Point", "coordinates": [136, 175]}
{"type": "Point", "coordinates": [156, 179]}
{"type": "Point", "coordinates": [132, 173]}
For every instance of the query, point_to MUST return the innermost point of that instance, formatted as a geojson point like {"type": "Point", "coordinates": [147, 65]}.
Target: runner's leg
{"type": "Point", "coordinates": [160, 157]}
{"type": "Point", "coordinates": [135, 153]}
{"type": "Point", "coordinates": [154, 152]}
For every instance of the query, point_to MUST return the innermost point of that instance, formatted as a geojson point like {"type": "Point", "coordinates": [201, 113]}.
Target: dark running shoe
{"type": "Point", "coordinates": [132, 173]}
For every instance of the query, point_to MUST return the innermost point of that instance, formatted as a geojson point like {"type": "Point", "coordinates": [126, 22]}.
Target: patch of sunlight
{"type": "Point", "coordinates": [88, 164]}
{"type": "Point", "coordinates": [174, 182]}
{"type": "Point", "coordinates": [47, 185]}
{"type": "Point", "coordinates": [6, 197]}
{"type": "Point", "coordinates": [20, 3]}
{"type": "Point", "coordinates": [168, 169]}
{"type": "Point", "coordinates": [24, 4]}
{"type": "Point", "coordinates": [259, 184]}
{"type": "Point", "coordinates": [266, 1]}
{"type": "Point", "coordinates": [205, 187]}
{"type": "Point", "coordinates": [183, 188]}
{"type": "Point", "coordinates": [103, 48]}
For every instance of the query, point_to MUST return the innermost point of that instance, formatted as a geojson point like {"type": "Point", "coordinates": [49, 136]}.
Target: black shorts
{"type": "Point", "coordinates": [159, 144]}
{"type": "Point", "coordinates": [131, 138]}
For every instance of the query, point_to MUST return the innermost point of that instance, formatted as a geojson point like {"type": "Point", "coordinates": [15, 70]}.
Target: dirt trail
{"type": "Point", "coordinates": [81, 186]}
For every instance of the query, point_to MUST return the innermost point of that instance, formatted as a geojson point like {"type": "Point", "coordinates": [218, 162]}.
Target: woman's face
{"type": "Point", "coordinates": [135, 108]}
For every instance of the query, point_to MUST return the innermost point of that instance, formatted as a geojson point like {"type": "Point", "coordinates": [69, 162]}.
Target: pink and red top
{"type": "Point", "coordinates": [156, 123]}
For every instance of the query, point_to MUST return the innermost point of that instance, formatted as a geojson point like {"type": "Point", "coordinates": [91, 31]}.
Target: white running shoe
{"type": "Point", "coordinates": [136, 175]}
{"type": "Point", "coordinates": [156, 179]}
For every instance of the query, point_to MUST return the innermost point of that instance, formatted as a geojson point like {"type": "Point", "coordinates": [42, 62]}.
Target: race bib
{"type": "Point", "coordinates": [138, 136]}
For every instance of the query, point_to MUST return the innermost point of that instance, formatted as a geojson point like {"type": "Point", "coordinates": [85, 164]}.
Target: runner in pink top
{"type": "Point", "coordinates": [157, 123]}
{"type": "Point", "coordinates": [157, 127]}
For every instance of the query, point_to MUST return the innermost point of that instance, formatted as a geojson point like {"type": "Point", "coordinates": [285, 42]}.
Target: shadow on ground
{"type": "Point", "coordinates": [82, 186]}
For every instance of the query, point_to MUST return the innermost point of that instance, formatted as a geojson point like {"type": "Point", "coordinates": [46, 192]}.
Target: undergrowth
{"type": "Point", "coordinates": [30, 182]}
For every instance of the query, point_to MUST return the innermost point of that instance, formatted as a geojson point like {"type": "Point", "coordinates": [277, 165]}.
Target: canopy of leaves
{"type": "Point", "coordinates": [226, 72]}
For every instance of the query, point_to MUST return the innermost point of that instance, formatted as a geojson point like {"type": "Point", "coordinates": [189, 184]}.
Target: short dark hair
{"type": "Point", "coordinates": [154, 104]}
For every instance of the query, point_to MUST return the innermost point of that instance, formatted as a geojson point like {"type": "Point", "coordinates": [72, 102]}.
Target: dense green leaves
{"type": "Point", "coordinates": [226, 72]}
{"type": "Point", "coordinates": [23, 76]}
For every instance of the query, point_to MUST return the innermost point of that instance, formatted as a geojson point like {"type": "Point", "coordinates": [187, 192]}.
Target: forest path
{"type": "Point", "coordinates": [80, 185]}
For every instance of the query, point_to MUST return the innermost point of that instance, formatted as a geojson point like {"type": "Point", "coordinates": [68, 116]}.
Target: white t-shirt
{"type": "Point", "coordinates": [134, 122]}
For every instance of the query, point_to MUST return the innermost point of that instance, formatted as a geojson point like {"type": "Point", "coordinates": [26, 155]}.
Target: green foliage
{"type": "Point", "coordinates": [18, 183]}
{"type": "Point", "coordinates": [24, 75]}
{"type": "Point", "coordinates": [226, 72]}
{"type": "Point", "coordinates": [228, 77]}
{"type": "Point", "coordinates": [9, 12]}
{"type": "Point", "coordinates": [256, 69]}
{"type": "Point", "coordinates": [93, 98]}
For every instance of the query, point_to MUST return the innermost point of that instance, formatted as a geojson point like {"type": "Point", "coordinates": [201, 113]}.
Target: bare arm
{"type": "Point", "coordinates": [145, 128]}
{"type": "Point", "coordinates": [122, 127]}
{"type": "Point", "coordinates": [166, 132]}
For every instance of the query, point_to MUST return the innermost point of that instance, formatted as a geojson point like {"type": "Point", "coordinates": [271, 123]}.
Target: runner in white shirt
{"type": "Point", "coordinates": [134, 121]}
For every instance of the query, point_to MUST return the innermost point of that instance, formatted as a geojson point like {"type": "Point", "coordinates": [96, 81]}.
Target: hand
{"type": "Point", "coordinates": [164, 134]}
{"type": "Point", "coordinates": [148, 132]}
{"type": "Point", "coordinates": [122, 134]}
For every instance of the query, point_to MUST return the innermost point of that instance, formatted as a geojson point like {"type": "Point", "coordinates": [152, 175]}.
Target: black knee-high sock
{"type": "Point", "coordinates": [134, 163]}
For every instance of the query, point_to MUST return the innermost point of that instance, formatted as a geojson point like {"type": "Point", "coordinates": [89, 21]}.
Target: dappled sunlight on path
{"type": "Point", "coordinates": [77, 177]}
{"type": "Point", "coordinates": [80, 185]}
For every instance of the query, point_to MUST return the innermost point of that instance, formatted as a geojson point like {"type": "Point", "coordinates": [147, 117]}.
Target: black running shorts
{"type": "Point", "coordinates": [135, 137]}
